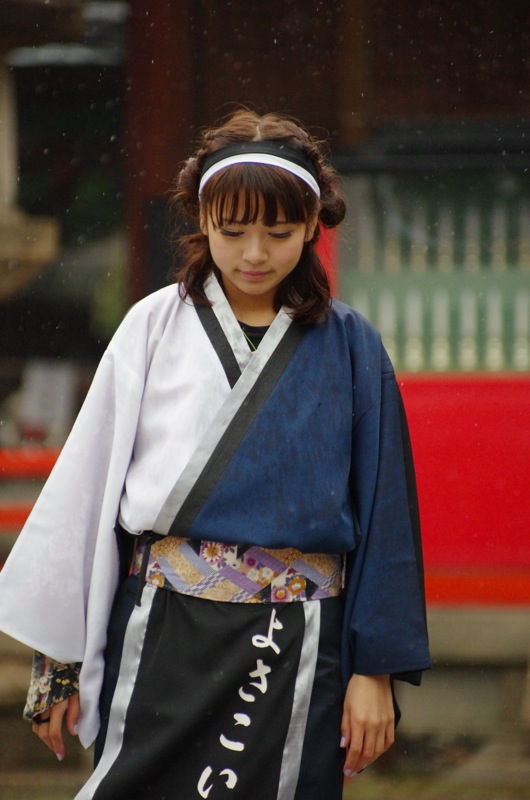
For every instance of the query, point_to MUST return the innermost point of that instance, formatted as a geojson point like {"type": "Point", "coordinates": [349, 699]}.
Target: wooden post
{"type": "Point", "coordinates": [353, 73]}
{"type": "Point", "coordinates": [8, 143]}
{"type": "Point", "coordinates": [159, 116]}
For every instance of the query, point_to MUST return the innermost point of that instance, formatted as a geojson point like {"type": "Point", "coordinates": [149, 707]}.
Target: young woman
{"type": "Point", "coordinates": [246, 433]}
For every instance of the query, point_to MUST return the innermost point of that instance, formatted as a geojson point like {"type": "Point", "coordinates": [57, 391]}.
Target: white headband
{"type": "Point", "coordinates": [261, 158]}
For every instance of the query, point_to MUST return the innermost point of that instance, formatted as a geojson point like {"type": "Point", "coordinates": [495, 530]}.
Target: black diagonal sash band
{"type": "Point", "coordinates": [236, 430]}
{"type": "Point", "coordinates": [220, 343]}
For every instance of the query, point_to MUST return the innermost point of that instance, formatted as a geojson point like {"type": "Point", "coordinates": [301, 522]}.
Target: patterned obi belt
{"type": "Point", "coordinates": [239, 573]}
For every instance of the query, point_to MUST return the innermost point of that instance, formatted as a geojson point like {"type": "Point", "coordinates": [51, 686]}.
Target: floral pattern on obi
{"type": "Point", "coordinates": [240, 573]}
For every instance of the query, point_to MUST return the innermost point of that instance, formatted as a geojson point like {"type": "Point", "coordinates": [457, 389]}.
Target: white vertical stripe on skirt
{"type": "Point", "coordinates": [292, 751]}
{"type": "Point", "coordinates": [132, 652]}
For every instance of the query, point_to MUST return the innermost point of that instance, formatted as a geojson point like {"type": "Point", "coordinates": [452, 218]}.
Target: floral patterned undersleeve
{"type": "Point", "coordinates": [50, 683]}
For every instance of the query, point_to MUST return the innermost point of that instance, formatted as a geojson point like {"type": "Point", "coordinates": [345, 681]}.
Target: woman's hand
{"type": "Point", "coordinates": [50, 728]}
{"type": "Point", "coordinates": [367, 721]}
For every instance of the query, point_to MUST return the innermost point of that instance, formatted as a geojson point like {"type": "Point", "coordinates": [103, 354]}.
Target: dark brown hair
{"type": "Point", "coordinates": [306, 289]}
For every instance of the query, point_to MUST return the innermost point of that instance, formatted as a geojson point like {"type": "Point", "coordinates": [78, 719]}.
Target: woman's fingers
{"type": "Point", "coordinates": [368, 721]}
{"type": "Point", "coordinates": [72, 714]}
{"type": "Point", "coordinates": [56, 728]}
{"type": "Point", "coordinates": [366, 747]}
{"type": "Point", "coordinates": [361, 752]}
{"type": "Point", "coordinates": [41, 728]}
{"type": "Point", "coordinates": [49, 726]}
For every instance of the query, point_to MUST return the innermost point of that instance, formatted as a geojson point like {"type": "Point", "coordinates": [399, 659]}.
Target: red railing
{"type": "Point", "coordinates": [22, 464]}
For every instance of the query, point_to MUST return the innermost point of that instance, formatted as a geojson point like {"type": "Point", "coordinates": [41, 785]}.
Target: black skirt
{"type": "Point", "coordinates": [225, 701]}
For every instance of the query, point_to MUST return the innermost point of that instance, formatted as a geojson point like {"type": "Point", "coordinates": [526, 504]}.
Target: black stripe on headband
{"type": "Point", "coordinates": [271, 147]}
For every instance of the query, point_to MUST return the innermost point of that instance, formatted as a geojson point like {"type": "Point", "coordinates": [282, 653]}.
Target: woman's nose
{"type": "Point", "coordinates": [255, 251]}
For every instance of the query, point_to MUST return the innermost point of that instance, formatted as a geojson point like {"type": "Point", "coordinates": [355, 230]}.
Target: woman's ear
{"type": "Point", "coordinates": [203, 221]}
{"type": "Point", "coordinates": [311, 228]}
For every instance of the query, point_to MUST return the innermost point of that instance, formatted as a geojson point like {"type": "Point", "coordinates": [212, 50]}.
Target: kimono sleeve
{"type": "Point", "coordinates": [385, 621]}
{"type": "Point", "coordinates": [46, 586]}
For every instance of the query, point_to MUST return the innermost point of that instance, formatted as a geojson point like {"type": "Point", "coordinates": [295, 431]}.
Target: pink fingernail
{"type": "Point", "coordinates": [348, 772]}
{"type": "Point", "coordinates": [343, 742]}
{"type": "Point", "coordinates": [60, 756]}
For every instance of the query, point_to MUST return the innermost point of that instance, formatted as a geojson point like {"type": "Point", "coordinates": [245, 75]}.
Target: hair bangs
{"type": "Point", "coordinates": [244, 193]}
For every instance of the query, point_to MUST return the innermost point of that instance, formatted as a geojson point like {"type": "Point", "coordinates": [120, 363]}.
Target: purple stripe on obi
{"type": "Point", "coordinates": [238, 573]}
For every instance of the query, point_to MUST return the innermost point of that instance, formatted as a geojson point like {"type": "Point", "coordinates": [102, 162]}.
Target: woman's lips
{"type": "Point", "coordinates": [253, 276]}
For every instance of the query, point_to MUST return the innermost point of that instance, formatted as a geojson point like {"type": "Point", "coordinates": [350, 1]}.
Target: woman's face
{"type": "Point", "coordinates": [255, 258]}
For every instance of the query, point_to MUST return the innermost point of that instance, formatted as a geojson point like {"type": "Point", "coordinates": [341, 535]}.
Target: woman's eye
{"type": "Point", "coordinates": [284, 235]}
{"type": "Point", "coordinates": [226, 232]}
